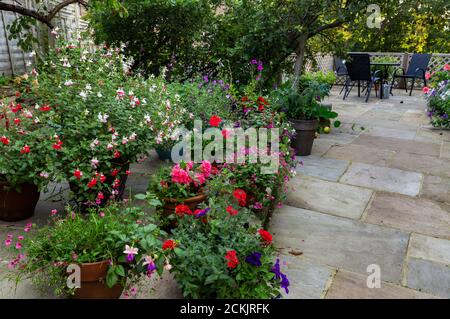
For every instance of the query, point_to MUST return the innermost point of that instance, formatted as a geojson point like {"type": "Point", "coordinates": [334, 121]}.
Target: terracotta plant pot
{"type": "Point", "coordinates": [191, 202]}
{"type": "Point", "coordinates": [15, 206]}
{"type": "Point", "coordinates": [304, 139]}
{"type": "Point", "coordinates": [93, 282]}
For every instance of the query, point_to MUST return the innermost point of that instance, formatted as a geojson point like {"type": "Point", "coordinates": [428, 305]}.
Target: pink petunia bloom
{"type": "Point", "coordinates": [447, 67]}
{"type": "Point", "coordinates": [206, 167]}
{"type": "Point", "coordinates": [180, 176]}
{"type": "Point", "coordinates": [18, 245]}
{"type": "Point", "coordinates": [8, 242]}
{"type": "Point", "coordinates": [427, 76]}
{"type": "Point", "coordinates": [425, 89]}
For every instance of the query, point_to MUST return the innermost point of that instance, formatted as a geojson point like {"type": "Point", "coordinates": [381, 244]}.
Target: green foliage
{"type": "Point", "coordinates": [439, 98]}
{"type": "Point", "coordinates": [200, 267]}
{"type": "Point", "coordinates": [97, 236]}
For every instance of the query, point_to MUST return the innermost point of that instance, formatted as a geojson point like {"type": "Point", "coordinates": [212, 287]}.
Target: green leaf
{"type": "Point", "coordinates": [337, 123]}
{"type": "Point", "coordinates": [120, 270]}
{"type": "Point", "coordinates": [111, 278]}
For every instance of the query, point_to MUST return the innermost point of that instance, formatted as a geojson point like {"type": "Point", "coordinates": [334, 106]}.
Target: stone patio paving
{"type": "Point", "coordinates": [374, 191]}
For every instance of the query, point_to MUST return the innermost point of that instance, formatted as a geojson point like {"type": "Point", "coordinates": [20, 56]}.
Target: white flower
{"type": "Point", "coordinates": [68, 83]}
{"type": "Point", "coordinates": [86, 112]}
{"type": "Point", "coordinates": [37, 120]}
{"type": "Point", "coordinates": [130, 250]}
{"type": "Point", "coordinates": [103, 118]}
{"type": "Point", "coordinates": [147, 118]}
{"type": "Point", "coordinates": [120, 93]}
{"type": "Point", "coordinates": [28, 114]}
{"type": "Point", "coordinates": [44, 175]}
{"type": "Point", "coordinates": [94, 162]}
{"type": "Point", "coordinates": [131, 93]}
{"type": "Point", "coordinates": [124, 140]}
{"type": "Point", "coordinates": [88, 87]}
{"type": "Point", "coordinates": [114, 136]}
{"type": "Point", "coordinates": [29, 63]}
{"type": "Point", "coordinates": [99, 94]}
{"type": "Point", "coordinates": [94, 144]}
{"type": "Point", "coordinates": [83, 95]}
{"type": "Point", "coordinates": [67, 64]}
{"type": "Point", "coordinates": [109, 146]}
{"type": "Point", "coordinates": [132, 136]}
{"type": "Point", "coordinates": [32, 54]}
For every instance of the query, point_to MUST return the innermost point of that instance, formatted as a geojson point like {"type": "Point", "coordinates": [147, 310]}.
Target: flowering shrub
{"type": "Point", "coordinates": [125, 236]}
{"type": "Point", "coordinates": [438, 95]}
{"type": "Point", "coordinates": [29, 149]}
{"type": "Point", "coordinates": [182, 180]}
{"type": "Point", "coordinates": [218, 256]}
{"type": "Point", "coordinates": [101, 115]}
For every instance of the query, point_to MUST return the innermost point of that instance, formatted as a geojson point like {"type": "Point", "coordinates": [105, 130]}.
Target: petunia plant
{"type": "Point", "coordinates": [438, 95]}
{"type": "Point", "coordinates": [216, 254]}
{"type": "Point", "coordinates": [123, 235]}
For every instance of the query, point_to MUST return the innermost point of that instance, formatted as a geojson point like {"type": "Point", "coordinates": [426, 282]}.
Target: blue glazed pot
{"type": "Point", "coordinates": [166, 154]}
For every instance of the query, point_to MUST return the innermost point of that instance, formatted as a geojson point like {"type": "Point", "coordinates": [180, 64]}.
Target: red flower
{"type": "Point", "coordinates": [100, 195]}
{"type": "Point", "coordinates": [17, 93]}
{"type": "Point", "coordinates": [265, 235]}
{"type": "Point", "coordinates": [232, 259]}
{"type": "Point", "coordinates": [57, 145]}
{"type": "Point", "coordinates": [226, 133]}
{"type": "Point", "coordinates": [45, 108]}
{"type": "Point", "coordinates": [127, 172]}
{"type": "Point", "coordinates": [231, 211]}
{"type": "Point", "coordinates": [16, 108]}
{"type": "Point", "coordinates": [215, 121]}
{"type": "Point", "coordinates": [4, 140]}
{"type": "Point", "coordinates": [78, 173]}
{"type": "Point", "coordinates": [25, 150]}
{"type": "Point", "coordinates": [244, 99]}
{"type": "Point", "coordinates": [92, 182]}
{"type": "Point", "coordinates": [241, 196]}
{"type": "Point", "coordinates": [182, 209]}
{"type": "Point", "coordinates": [261, 100]}
{"type": "Point", "coordinates": [102, 178]}
{"type": "Point", "coordinates": [169, 244]}
{"type": "Point", "coordinates": [117, 154]}
{"type": "Point", "coordinates": [115, 172]}
{"type": "Point", "coordinates": [17, 121]}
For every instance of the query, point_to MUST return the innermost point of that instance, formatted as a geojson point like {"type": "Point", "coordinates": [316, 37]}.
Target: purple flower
{"type": "Point", "coordinates": [205, 78]}
{"type": "Point", "coordinates": [253, 61]}
{"type": "Point", "coordinates": [202, 213]}
{"type": "Point", "coordinates": [260, 66]}
{"type": "Point", "coordinates": [276, 269]}
{"type": "Point", "coordinates": [130, 257]}
{"type": "Point", "coordinates": [284, 283]}
{"type": "Point", "coordinates": [151, 267]}
{"type": "Point", "coordinates": [254, 259]}
{"type": "Point", "coordinates": [257, 205]}
{"type": "Point", "coordinates": [444, 117]}
{"type": "Point", "coordinates": [237, 124]}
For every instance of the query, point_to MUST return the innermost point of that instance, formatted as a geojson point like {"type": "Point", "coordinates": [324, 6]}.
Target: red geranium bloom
{"type": "Point", "coordinates": [244, 99]}
{"type": "Point", "coordinates": [182, 209]}
{"type": "Point", "coordinates": [215, 120]}
{"type": "Point", "coordinates": [17, 121]}
{"type": "Point", "coordinates": [232, 259]}
{"type": "Point", "coordinates": [92, 182]}
{"type": "Point", "coordinates": [117, 154]}
{"type": "Point", "coordinates": [16, 108]}
{"type": "Point", "coordinates": [169, 244]}
{"type": "Point", "coordinates": [25, 150]}
{"type": "Point", "coordinates": [57, 145]}
{"type": "Point", "coordinates": [265, 235]}
{"type": "Point", "coordinates": [115, 172]}
{"type": "Point", "coordinates": [45, 108]}
{"type": "Point", "coordinates": [78, 173]}
{"type": "Point", "coordinates": [241, 196]}
{"type": "Point", "coordinates": [4, 140]}
{"type": "Point", "coordinates": [231, 211]}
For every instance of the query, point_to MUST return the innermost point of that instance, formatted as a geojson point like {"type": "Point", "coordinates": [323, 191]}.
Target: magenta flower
{"type": "Point", "coordinates": [18, 245]}
{"type": "Point", "coordinates": [8, 242]}
{"type": "Point", "coordinates": [130, 251]}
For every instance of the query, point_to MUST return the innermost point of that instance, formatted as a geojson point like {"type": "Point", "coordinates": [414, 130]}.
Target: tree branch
{"type": "Point", "coordinates": [62, 5]}
{"type": "Point", "coordinates": [332, 25]}
{"type": "Point", "coordinates": [26, 12]}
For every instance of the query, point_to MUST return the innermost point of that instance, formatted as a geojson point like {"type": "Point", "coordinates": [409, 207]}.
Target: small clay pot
{"type": "Point", "coordinates": [14, 205]}
{"type": "Point", "coordinates": [93, 282]}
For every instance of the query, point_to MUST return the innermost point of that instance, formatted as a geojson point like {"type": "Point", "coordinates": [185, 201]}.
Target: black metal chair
{"type": "Point", "coordinates": [359, 71]}
{"type": "Point", "coordinates": [340, 70]}
{"type": "Point", "coordinates": [416, 70]}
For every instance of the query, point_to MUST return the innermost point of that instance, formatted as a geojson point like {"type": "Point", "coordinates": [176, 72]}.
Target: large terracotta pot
{"type": "Point", "coordinates": [93, 282]}
{"type": "Point", "coordinates": [15, 206]}
{"type": "Point", "coordinates": [304, 139]}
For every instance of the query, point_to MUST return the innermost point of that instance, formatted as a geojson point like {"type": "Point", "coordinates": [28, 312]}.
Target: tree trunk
{"type": "Point", "coordinates": [300, 55]}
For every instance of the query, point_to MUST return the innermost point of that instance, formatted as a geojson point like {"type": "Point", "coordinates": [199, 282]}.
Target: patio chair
{"type": "Point", "coordinates": [359, 71]}
{"type": "Point", "coordinates": [340, 70]}
{"type": "Point", "coordinates": [416, 70]}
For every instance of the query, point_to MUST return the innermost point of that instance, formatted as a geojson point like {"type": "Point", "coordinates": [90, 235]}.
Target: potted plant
{"type": "Point", "coordinates": [304, 110]}
{"type": "Point", "coordinates": [182, 184]}
{"type": "Point", "coordinates": [28, 161]}
{"type": "Point", "coordinates": [111, 249]}
{"type": "Point", "coordinates": [102, 115]}
{"type": "Point", "coordinates": [237, 264]}
{"type": "Point", "coordinates": [438, 96]}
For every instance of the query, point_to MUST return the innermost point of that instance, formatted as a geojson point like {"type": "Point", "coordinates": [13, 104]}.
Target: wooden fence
{"type": "Point", "coordinates": [13, 61]}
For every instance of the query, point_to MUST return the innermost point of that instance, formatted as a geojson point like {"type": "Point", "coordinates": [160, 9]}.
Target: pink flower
{"type": "Point", "coordinates": [74, 256]}
{"type": "Point", "coordinates": [206, 168]}
{"type": "Point", "coordinates": [20, 237]}
{"type": "Point", "coordinates": [18, 245]}
{"type": "Point", "coordinates": [427, 76]}
{"type": "Point", "coordinates": [8, 242]}
{"type": "Point", "coordinates": [425, 89]}
{"type": "Point", "coordinates": [201, 179]}
{"type": "Point", "coordinates": [180, 176]}
{"type": "Point", "coordinates": [447, 67]}
{"type": "Point", "coordinates": [54, 212]}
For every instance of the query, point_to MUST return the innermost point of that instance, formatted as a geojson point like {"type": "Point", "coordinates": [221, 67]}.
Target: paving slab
{"type": "Point", "coordinates": [445, 150]}
{"type": "Point", "coordinates": [428, 276]}
{"type": "Point", "coordinates": [328, 197]}
{"type": "Point", "coordinates": [383, 178]}
{"type": "Point", "coordinates": [429, 135]}
{"type": "Point", "coordinates": [308, 279]}
{"type": "Point", "coordinates": [398, 145]}
{"type": "Point", "coordinates": [414, 117]}
{"type": "Point", "coordinates": [320, 147]}
{"type": "Point", "coordinates": [338, 138]}
{"type": "Point", "coordinates": [348, 285]}
{"type": "Point", "coordinates": [340, 242]}
{"type": "Point", "coordinates": [436, 188]}
{"type": "Point", "coordinates": [329, 169]}
{"type": "Point", "coordinates": [430, 248]}
{"type": "Point", "coordinates": [431, 165]}
{"type": "Point", "coordinates": [391, 132]}
{"type": "Point", "coordinates": [360, 153]}
{"type": "Point", "coordinates": [410, 214]}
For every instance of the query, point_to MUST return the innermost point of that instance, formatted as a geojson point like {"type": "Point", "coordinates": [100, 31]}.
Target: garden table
{"type": "Point", "coordinates": [384, 75]}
